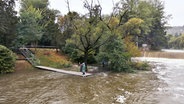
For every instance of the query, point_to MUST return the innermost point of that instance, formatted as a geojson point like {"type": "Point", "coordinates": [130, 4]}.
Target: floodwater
{"type": "Point", "coordinates": [45, 87]}
{"type": "Point", "coordinates": [170, 72]}
{"type": "Point", "coordinates": [163, 85]}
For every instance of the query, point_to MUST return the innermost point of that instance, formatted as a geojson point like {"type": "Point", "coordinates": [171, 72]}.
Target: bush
{"type": "Point", "coordinates": [141, 66]}
{"type": "Point", "coordinates": [120, 62]}
{"type": "Point", "coordinates": [7, 60]}
{"type": "Point", "coordinates": [115, 53]}
{"type": "Point", "coordinates": [131, 48]}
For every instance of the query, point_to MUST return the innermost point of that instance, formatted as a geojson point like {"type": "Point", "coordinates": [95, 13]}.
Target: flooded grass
{"type": "Point", "coordinates": [173, 55]}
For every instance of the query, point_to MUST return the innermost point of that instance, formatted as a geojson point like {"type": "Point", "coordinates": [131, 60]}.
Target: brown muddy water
{"type": "Point", "coordinates": [45, 87]}
{"type": "Point", "coordinates": [163, 85]}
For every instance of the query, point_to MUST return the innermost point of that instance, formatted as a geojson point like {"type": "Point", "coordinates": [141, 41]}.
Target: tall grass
{"type": "Point", "coordinates": [51, 58]}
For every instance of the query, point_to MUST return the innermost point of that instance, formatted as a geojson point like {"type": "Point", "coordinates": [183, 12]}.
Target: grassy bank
{"type": "Point", "coordinates": [51, 58]}
{"type": "Point", "coordinates": [161, 54]}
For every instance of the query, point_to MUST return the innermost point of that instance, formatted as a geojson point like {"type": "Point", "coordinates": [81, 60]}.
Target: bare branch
{"type": "Point", "coordinates": [79, 48]}
{"type": "Point", "coordinates": [91, 3]}
{"type": "Point", "coordinates": [68, 5]}
{"type": "Point", "coordinates": [113, 3]}
{"type": "Point", "coordinates": [121, 17]}
{"type": "Point", "coordinates": [81, 40]}
{"type": "Point", "coordinates": [100, 8]}
{"type": "Point", "coordinates": [86, 5]}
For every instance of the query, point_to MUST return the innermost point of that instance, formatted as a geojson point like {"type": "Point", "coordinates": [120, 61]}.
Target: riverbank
{"type": "Point", "coordinates": [54, 59]}
{"type": "Point", "coordinates": [22, 65]}
{"type": "Point", "coordinates": [164, 54]}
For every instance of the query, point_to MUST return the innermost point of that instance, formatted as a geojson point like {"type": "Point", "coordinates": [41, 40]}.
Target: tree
{"type": "Point", "coordinates": [152, 30]}
{"type": "Point", "coordinates": [7, 60]}
{"type": "Point", "coordinates": [176, 42]}
{"type": "Point", "coordinates": [37, 4]}
{"type": "Point", "coordinates": [133, 27]}
{"type": "Point", "coordinates": [131, 47]}
{"type": "Point", "coordinates": [29, 27]}
{"type": "Point", "coordinates": [93, 31]}
{"type": "Point", "coordinates": [66, 26]}
{"type": "Point", "coordinates": [51, 31]}
{"type": "Point", "coordinates": [117, 56]}
{"type": "Point", "coordinates": [89, 31]}
{"type": "Point", "coordinates": [157, 36]}
{"type": "Point", "coordinates": [8, 21]}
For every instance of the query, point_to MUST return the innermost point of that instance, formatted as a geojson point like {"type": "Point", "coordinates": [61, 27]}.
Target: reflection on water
{"type": "Point", "coordinates": [163, 85]}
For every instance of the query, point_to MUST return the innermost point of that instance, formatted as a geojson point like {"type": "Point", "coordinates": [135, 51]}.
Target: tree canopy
{"type": "Point", "coordinates": [37, 21]}
{"type": "Point", "coordinates": [89, 36]}
{"type": "Point", "coordinates": [29, 27]}
{"type": "Point", "coordinates": [8, 20]}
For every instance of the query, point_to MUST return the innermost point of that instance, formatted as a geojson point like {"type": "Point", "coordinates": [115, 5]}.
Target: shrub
{"type": "Point", "coordinates": [120, 62]}
{"type": "Point", "coordinates": [7, 60]}
{"type": "Point", "coordinates": [131, 48]}
{"type": "Point", "coordinates": [141, 66]}
{"type": "Point", "coordinates": [116, 55]}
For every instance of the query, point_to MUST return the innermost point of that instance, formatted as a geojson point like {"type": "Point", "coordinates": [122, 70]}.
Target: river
{"type": "Point", "coordinates": [170, 73]}
{"type": "Point", "coordinates": [163, 85]}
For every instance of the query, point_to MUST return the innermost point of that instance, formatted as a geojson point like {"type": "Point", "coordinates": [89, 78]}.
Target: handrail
{"type": "Point", "coordinates": [30, 57]}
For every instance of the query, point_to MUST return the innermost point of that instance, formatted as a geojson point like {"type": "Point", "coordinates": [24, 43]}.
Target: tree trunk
{"type": "Point", "coordinates": [35, 43]}
{"type": "Point", "coordinates": [86, 59]}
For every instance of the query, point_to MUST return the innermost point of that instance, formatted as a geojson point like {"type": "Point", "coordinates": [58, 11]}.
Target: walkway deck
{"type": "Point", "coordinates": [63, 71]}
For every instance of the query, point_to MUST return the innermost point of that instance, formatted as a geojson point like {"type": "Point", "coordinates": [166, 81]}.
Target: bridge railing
{"type": "Point", "coordinates": [30, 57]}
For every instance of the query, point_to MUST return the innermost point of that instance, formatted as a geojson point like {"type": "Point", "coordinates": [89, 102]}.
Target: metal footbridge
{"type": "Point", "coordinates": [30, 57]}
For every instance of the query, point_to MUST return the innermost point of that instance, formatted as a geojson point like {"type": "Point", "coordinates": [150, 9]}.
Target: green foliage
{"type": "Point", "coordinates": [38, 4]}
{"type": "Point", "coordinates": [51, 31]}
{"type": "Point", "coordinates": [133, 26]}
{"type": "Point", "coordinates": [89, 33]}
{"type": "Point", "coordinates": [156, 22]}
{"type": "Point", "coordinates": [29, 27]}
{"type": "Point", "coordinates": [74, 54]}
{"type": "Point", "coordinates": [176, 42]}
{"type": "Point", "coordinates": [7, 60]}
{"type": "Point", "coordinates": [38, 22]}
{"type": "Point", "coordinates": [130, 47]}
{"type": "Point", "coordinates": [66, 25]}
{"type": "Point", "coordinates": [144, 12]}
{"type": "Point", "coordinates": [88, 36]}
{"type": "Point", "coordinates": [141, 66]}
{"type": "Point", "coordinates": [93, 34]}
{"type": "Point", "coordinates": [119, 61]}
{"type": "Point", "coordinates": [152, 30]}
{"type": "Point", "coordinates": [115, 54]}
{"type": "Point", "coordinates": [8, 21]}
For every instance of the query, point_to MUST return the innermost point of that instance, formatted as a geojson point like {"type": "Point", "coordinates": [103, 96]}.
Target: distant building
{"type": "Point", "coordinates": [175, 30]}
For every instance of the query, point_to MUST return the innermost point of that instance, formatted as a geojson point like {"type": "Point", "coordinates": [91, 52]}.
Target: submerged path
{"type": "Point", "coordinates": [63, 71]}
